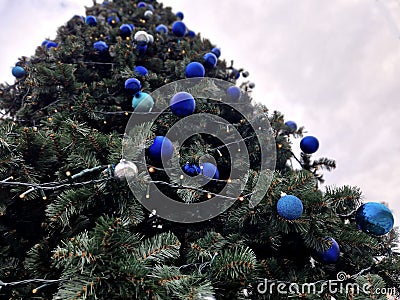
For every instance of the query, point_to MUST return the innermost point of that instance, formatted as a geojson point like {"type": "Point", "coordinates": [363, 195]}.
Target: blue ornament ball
{"type": "Point", "coordinates": [195, 69]}
{"type": "Point", "coordinates": [331, 255]}
{"type": "Point", "coordinates": [179, 28]}
{"type": "Point", "coordinates": [180, 15]}
{"type": "Point", "coordinates": [233, 93]}
{"type": "Point", "coordinates": [141, 49]}
{"type": "Point", "coordinates": [182, 104]}
{"type": "Point", "coordinates": [162, 29]}
{"type": "Point", "coordinates": [151, 7]}
{"type": "Point", "coordinates": [133, 85]}
{"type": "Point", "coordinates": [191, 33]}
{"type": "Point", "coordinates": [292, 125]}
{"type": "Point", "coordinates": [100, 46]}
{"type": "Point", "coordinates": [45, 42]}
{"type": "Point", "coordinates": [131, 26]}
{"type": "Point", "coordinates": [113, 20]}
{"type": "Point", "coordinates": [191, 169]}
{"type": "Point", "coordinates": [374, 218]}
{"type": "Point", "coordinates": [141, 4]}
{"type": "Point", "coordinates": [91, 20]}
{"type": "Point", "coordinates": [290, 207]}
{"type": "Point", "coordinates": [309, 145]}
{"type": "Point", "coordinates": [18, 72]}
{"type": "Point", "coordinates": [125, 30]}
{"type": "Point", "coordinates": [216, 51]}
{"type": "Point", "coordinates": [142, 71]}
{"type": "Point", "coordinates": [142, 102]}
{"type": "Point", "coordinates": [161, 149]}
{"type": "Point", "coordinates": [210, 60]}
{"type": "Point", "coordinates": [209, 170]}
{"type": "Point", "coordinates": [51, 45]}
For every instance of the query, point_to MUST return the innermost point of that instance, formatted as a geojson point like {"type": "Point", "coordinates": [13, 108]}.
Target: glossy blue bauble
{"type": "Point", "coordinates": [45, 42]}
{"type": "Point", "coordinates": [209, 170]}
{"type": "Point", "coordinates": [142, 71]}
{"type": "Point", "coordinates": [131, 26]}
{"type": "Point", "coordinates": [191, 33]}
{"type": "Point", "coordinates": [133, 85]}
{"type": "Point", "coordinates": [233, 93]}
{"type": "Point", "coordinates": [51, 45]}
{"type": "Point", "coordinates": [191, 169]}
{"type": "Point", "coordinates": [374, 218]}
{"type": "Point", "coordinates": [161, 149]}
{"type": "Point", "coordinates": [18, 72]}
{"type": "Point", "coordinates": [113, 20]}
{"type": "Point", "coordinates": [292, 125]}
{"type": "Point", "coordinates": [141, 4]}
{"type": "Point", "coordinates": [216, 51]}
{"type": "Point", "coordinates": [179, 28]}
{"type": "Point", "coordinates": [180, 15]}
{"type": "Point", "coordinates": [309, 144]}
{"type": "Point", "coordinates": [195, 69]}
{"type": "Point", "coordinates": [210, 60]}
{"type": "Point", "coordinates": [162, 29]}
{"type": "Point", "coordinates": [331, 255]}
{"type": "Point", "coordinates": [182, 104]}
{"type": "Point", "coordinates": [142, 102]}
{"type": "Point", "coordinates": [290, 207]}
{"type": "Point", "coordinates": [141, 48]}
{"type": "Point", "coordinates": [91, 20]}
{"type": "Point", "coordinates": [100, 46]}
{"type": "Point", "coordinates": [125, 30]}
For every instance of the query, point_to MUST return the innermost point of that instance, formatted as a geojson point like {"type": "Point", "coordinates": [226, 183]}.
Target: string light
{"type": "Point", "coordinates": [9, 178]}
{"type": "Point", "coordinates": [241, 198]}
{"type": "Point", "coordinates": [22, 196]}
{"type": "Point", "coordinates": [68, 173]}
{"type": "Point", "coordinates": [219, 152]}
{"type": "Point", "coordinates": [229, 180]}
{"type": "Point", "coordinates": [209, 196]}
{"type": "Point", "coordinates": [148, 192]}
{"type": "Point", "coordinates": [152, 170]}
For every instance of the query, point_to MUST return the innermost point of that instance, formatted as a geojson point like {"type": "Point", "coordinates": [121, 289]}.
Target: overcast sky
{"type": "Point", "coordinates": [331, 66]}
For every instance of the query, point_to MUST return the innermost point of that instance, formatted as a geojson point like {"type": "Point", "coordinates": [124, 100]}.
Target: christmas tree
{"type": "Point", "coordinates": [133, 166]}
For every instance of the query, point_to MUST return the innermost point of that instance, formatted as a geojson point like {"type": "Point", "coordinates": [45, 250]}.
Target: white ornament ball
{"type": "Point", "coordinates": [148, 14]}
{"type": "Point", "coordinates": [151, 38]}
{"type": "Point", "coordinates": [141, 37]}
{"type": "Point", "coordinates": [125, 169]}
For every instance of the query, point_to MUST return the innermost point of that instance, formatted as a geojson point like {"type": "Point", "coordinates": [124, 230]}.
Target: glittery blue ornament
{"type": "Point", "coordinates": [210, 60]}
{"type": "Point", "coordinates": [141, 4]}
{"type": "Point", "coordinates": [292, 125]}
{"type": "Point", "coordinates": [91, 20]}
{"type": "Point", "coordinates": [51, 45]}
{"type": "Point", "coordinates": [195, 69]}
{"type": "Point", "coordinates": [290, 207]}
{"type": "Point", "coordinates": [125, 30]}
{"type": "Point", "coordinates": [309, 144]}
{"type": "Point", "coordinates": [113, 20]}
{"type": "Point", "coordinates": [18, 72]}
{"type": "Point", "coordinates": [233, 93]}
{"type": "Point", "coordinates": [142, 71]}
{"type": "Point", "coordinates": [216, 51]}
{"type": "Point", "coordinates": [162, 29]}
{"type": "Point", "coordinates": [142, 102]}
{"type": "Point", "coordinates": [331, 255]}
{"type": "Point", "coordinates": [180, 15]}
{"type": "Point", "coordinates": [133, 85]}
{"type": "Point", "coordinates": [191, 33]}
{"type": "Point", "coordinates": [100, 46]}
{"type": "Point", "coordinates": [182, 104]}
{"type": "Point", "coordinates": [191, 169]}
{"type": "Point", "coordinates": [209, 170]}
{"type": "Point", "coordinates": [161, 149]}
{"type": "Point", "coordinates": [179, 28]}
{"type": "Point", "coordinates": [374, 218]}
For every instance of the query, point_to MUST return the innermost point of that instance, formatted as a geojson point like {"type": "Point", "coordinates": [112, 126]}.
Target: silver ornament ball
{"type": "Point", "coordinates": [141, 36]}
{"type": "Point", "coordinates": [125, 169]}
{"type": "Point", "coordinates": [148, 14]}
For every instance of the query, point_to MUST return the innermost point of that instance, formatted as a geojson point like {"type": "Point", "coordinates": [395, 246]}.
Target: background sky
{"type": "Point", "coordinates": [331, 66]}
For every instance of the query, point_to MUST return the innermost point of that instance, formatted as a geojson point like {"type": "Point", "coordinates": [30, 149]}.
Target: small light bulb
{"type": "Point", "coordinates": [68, 173]}
{"type": "Point", "coordinates": [34, 291]}
{"type": "Point", "coordinates": [241, 198]}
{"type": "Point", "coordinates": [152, 170]}
{"type": "Point", "coordinates": [147, 196]}
{"type": "Point", "coordinates": [229, 180]}
{"type": "Point", "coordinates": [209, 196]}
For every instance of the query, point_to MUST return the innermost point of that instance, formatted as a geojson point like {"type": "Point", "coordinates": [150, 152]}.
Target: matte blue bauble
{"type": "Point", "coordinates": [141, 49]}
{"type": "Point", "coordinates": [374, 218]}
{"type": "Point", "coordinates": [113, 20]}
{"type": "Point", "coordinates": [162, 29]}
{"type": "Point", "coordinates": [179, 28]}
{"type": "Point", "coordinates": [100, 46]}
{"type": "Point", "coordinates": [180, 15]}
{"type": "Point", "coordinates": [133, 85]}
{"type": "Point", "coordinates": [292, 125]}
{"type": "Point", "coordinates": [91, 20]}
{"type": "Point", "coordinates": [191, 33]}
{"type": "Point", "coordinates": [51, 45]}
{"type": "Point", "coordinates": [142, 102]}
{"type": "Point", "coordinates": [125, 30]}
{"type": "Point", "coordinates": [233, 93]}
{"type": "Point", "coordinates": [235, 74]}
{"type": "Point", "coordinates": [45, 42]}
{"type": "Point", "coordinates": [182, 104]}
{"type": "Point", "coordinates": [191, 169]}
{"type": "Point", "coordinates": [161, 149]}
{"type": "Point", "coordinates": [309, 144]}
{"type": "Point", "coordinates": [131, 26]}
{"type": "Point", "coordinates": [290, 207]}
{"type": "Point", "coordinates": [142, 71]}
{"type": "Point", "coordinates": [209, 170]}
{"type": "Point", "coordinates": [141, 4]}
{"type": "Point", "coordinates": [105, 3]}
{"type": "Point", "coordinates": [195, 69]}
{"type": "Point", "coordinates": [216, 51]}
{"type": "Point", "coordinates": [331, 255]}
{"type": "Point", "coordinates": [18, 72]}
{"type": "Point", "coordinates": [210, 60]}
